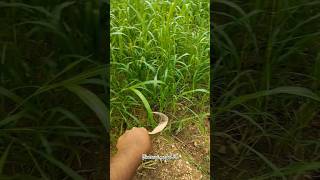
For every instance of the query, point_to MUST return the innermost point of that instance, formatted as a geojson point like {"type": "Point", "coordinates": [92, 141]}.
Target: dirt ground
{"type": "Point", "coordinates": [191, 150]}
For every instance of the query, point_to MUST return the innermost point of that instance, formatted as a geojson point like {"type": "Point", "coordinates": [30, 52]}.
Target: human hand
{"type": "Point", "coordinates": [136, 140]}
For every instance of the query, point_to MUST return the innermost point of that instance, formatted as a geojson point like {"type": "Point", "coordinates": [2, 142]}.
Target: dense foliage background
{"type": "Point", "coordinates": [52, 90]}
{"type": "Point", "coordinates": [159, 62]}
{"type": "Point", "coordinates": [266, 79]}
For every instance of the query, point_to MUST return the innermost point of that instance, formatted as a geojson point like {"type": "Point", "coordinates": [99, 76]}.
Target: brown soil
{"type": "Point", "coordinates": [190, 146]}
{"type": "Point", "coordinates": [192, 150]}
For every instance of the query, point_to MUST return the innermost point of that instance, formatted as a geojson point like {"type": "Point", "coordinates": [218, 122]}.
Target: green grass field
{"type": "Point", "coordinates": [52, 90]}
{"type": "Point", "coordinates": [266, 79]}
{"type": "Point", "coordinates": [265, 82]}
{"type": "Point", "coordinates": [159, 62]}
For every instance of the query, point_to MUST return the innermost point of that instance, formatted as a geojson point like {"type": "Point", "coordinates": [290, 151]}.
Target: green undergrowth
{"type": "Point", "coordinates": [52, 90]}
{"type": "Point", "coordinates": [266, 89]}
{"type": "Point", "coordinates": [159, 61]}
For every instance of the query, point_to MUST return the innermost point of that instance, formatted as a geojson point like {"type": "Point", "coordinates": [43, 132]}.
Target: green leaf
{"type": "Point", "coordinates": [72, 116]}
{"type": "Point", "coordinates": [11, 118]}
{"type": "Point", "coordinates": [193, 91]}
{"type": "Point", "coordinates": [43, 174]}
{"type": "Point", "coordinates": [232, 5]}
{"type": "Point", "coordinates": [92, 101]}
{"type": "Point", "coordinates": [45, 143]}
{"type": "Point", "coordinates": [146, 105]}
{"type": "Point", "coordinates": [58, 9]}
{"type": "Point", "coordinates": [10, 95]}
{"type": "Point", "coordinates": [70, 66]}
{"type": "Point", "coordinates": [251, 120]}
{"type": "Point", "coordinates": [145, 83]}
{"type": "Point", "coordinates": [70, 172]}
{"type": "Point", "coordinates": [293, 169]}
{"type": "Point", "coordinates": [25, 7]}
{"type": "Point", "coordinates": [299, 91]}
{"type": "Point", "coordinates": [266, 160]}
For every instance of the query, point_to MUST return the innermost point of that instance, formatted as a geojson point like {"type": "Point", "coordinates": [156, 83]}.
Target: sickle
{"type": "Point", "coordinates": [162, 124]}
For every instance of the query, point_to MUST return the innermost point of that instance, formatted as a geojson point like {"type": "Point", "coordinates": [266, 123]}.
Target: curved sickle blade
{"type": "Point", "coordinates": [163, 123]}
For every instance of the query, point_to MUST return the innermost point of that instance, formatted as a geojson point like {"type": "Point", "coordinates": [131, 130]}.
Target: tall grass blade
{"type": "Point", "coordinates": [10, 95]}
{"type": "Point", "coordinates": [92, 101]}
{"type": "Point", "coordinates": [299, 91]}
{"type": "Point", "coordinates": [294, 169]}
{"type": "Point", "coordinates": [11, 119]}
{"type": "Point", "coordinates": [146, 105]}
{"type": "Point", "coordinates": [70, 172]}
